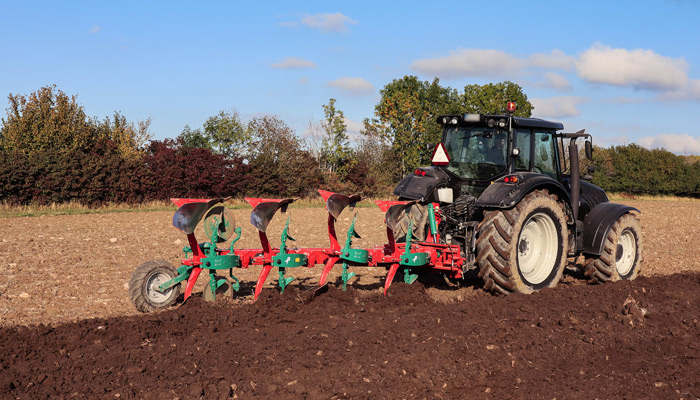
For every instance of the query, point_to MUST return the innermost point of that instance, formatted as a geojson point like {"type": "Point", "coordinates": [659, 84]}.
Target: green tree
{"type": "Point", "coordinates": [130, 138]}
{"type": "Point", "coordinates": [223, 133]}
{"type": "Point", "coordinates": [375, 151]}
{"type": "Point", "coordinates": [281, 164]}
{"type": "Point", "coordinates": [46, 120]}
{"type": "Point", "coordinates": [492, 98]}
{"type": "Point", "coordinates": [228, 133]}
{"type": "Point", "coordinates": [194, 139]}
{"type": "Point", "coordinates": [407, 110]}
{"type": "Point", "coordinates": [335, 148]}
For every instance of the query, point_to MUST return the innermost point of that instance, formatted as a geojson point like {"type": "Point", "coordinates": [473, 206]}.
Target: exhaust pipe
{"type": "Point", "coordinates": [575, 177]}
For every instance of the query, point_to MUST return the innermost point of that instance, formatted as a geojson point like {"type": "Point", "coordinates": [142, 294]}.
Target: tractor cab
{"type": "Point", "coordinates": [477, 150]}
{"type": "Point", "coordinates": [486, 147]}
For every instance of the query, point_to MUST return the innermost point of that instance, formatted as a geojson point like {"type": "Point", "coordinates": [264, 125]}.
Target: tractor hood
{"type": "Point", "coordinates": [421, 183]}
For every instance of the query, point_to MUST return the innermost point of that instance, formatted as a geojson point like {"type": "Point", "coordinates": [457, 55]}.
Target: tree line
{"type": "Point", "coordinates": [637, 170]}
{"type": "Point", "coordinates": [51, 151]}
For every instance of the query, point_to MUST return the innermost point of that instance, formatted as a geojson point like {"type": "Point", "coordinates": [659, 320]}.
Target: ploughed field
{"type": "Point", "coordinates": [67, 328]}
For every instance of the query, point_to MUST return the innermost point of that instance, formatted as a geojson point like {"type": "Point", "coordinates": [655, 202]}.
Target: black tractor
{"type": "Point", "coordinates": [506, 197]}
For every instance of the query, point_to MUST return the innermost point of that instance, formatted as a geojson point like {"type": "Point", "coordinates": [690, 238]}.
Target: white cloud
{"type": "Point", "coordinates": [639, 68]}
{"type": "Point", "coordinates": [601, 64]}
{"type": "Point", "coordinates": [95, 29]}
{"type": "Point", "coordinates": [326, 23]}
{"type": "Point", "coordinates": [354, 127]}
{"type": "Point", "coordinates": [470, 62]}
{"type": "Point", "coordinates": [675, 143]}
{"type": "Point", "coordinates": [557, 59]}
{"type": "Point", "coordinates": [556, 81]}
{"type": "Point", "coordinates": [294, 63]}
{"type": "Point", "coordinates": [557, 107]}
{"type": "Point", "coordinates": [352, 85]}
{"type": "Point", "coordinates": [690, 91]}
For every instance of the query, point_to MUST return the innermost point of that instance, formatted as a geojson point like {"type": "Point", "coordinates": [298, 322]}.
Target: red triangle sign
{"type": "Point", "coordinates": [440, 156]}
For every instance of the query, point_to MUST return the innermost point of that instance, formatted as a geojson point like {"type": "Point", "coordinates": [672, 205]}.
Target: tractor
{"type": "Point", "coordinates": [506, 200]}
{"type": "Point", "coordinates": [497, 202]}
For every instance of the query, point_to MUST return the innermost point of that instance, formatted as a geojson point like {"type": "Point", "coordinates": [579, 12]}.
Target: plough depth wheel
{"type": "Point", "coordinates": [144, 282]}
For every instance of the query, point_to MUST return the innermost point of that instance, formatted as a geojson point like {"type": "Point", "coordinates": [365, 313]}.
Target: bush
{"type": "Point", "coordinates": [94, 176]}
{"type": "Point", "coordinates": [180, 171]}
{"type": "Point", "coordinates": [637, 170]}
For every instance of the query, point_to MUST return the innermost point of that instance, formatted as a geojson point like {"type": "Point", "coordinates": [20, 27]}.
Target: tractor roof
{"type": "Point", "coordinates": [479, 119]}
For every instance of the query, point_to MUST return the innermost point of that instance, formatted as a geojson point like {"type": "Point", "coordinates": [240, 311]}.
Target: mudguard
{"type": "Point", "coordinates": [506, 195]}
{"type": "Point", "coordinates": [597, 224]}
{"type": "Point", "coordinates": [419, 187]}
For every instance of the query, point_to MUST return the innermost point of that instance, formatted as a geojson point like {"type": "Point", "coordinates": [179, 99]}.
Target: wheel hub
{"type": "Point", "coordinates": [154, 281]}
{"type": "Point", "coordinates": [626, 252]}
{"type": "Point", "coordinates": [523, 246]}
{"type": "Point", "coordinates": [538, 247]}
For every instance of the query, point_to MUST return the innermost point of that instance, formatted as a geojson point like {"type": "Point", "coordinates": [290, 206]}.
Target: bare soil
{"type": "Point", "coordinates": [67, 328]}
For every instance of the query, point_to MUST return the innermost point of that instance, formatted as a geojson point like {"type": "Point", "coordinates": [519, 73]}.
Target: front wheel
{"type": "Point", "coordinates": [523, 249]}
{"type": "Point", "coordinates": [622, 253]}
{"type": "Point", "coordinates": [144, 283]}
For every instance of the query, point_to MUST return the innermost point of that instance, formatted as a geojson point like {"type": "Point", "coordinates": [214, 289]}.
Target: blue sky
{"type": "Point", "coordinates": [627, 71]}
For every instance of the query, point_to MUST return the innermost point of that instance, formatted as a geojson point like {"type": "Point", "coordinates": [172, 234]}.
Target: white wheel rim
{"type": "Point", "coordinates": [626, 253]}
{"type": "Point", "coordinates": [155, 280]}
{"type": "Point", "coordinates": [537, 248]}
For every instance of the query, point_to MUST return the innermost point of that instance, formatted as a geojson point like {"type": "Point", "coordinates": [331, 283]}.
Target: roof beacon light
{"type": "Point", "coordinates": [511, 107]}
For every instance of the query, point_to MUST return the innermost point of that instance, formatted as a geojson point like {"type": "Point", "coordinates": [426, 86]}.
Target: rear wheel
{"type": "Point", "coordinates": [622, 253]}
{"type": "Point", "coordinates": [523, 249]}
{"type": "Point", "coordinates": [419, 214]}
{"type": "Point", "coordinates": [144, 282]}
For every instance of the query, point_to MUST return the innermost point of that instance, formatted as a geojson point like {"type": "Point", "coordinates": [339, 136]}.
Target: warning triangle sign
{"type": "Point", "coordinates": [440, 156]}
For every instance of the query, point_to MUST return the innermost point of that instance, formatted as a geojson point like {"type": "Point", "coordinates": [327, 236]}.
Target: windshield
{"type": "Point", "coordinates": [476, 152]}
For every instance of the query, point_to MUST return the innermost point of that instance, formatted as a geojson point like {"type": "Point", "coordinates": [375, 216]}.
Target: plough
{"type": "Point", "coordinates": [153, 285]}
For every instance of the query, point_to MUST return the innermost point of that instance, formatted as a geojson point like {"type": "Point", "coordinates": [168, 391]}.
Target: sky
{"type": "Point", "coordinates": [626, 71]}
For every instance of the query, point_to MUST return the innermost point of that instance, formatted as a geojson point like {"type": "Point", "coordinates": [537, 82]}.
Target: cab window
{"type": "Point", "coordinates": [522, 142]}
{"type": "Point", "coordinates": [545, 153]}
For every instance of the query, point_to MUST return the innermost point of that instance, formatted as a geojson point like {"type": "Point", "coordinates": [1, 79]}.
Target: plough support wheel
{"type": "Point", "coordinates": [219, 219]}
{"type": "Point", "coordinates": [144, 286]}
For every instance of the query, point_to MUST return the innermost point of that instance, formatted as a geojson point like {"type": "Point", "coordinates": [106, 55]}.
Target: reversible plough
{"type": "Point", "coordinates": [219, 227]}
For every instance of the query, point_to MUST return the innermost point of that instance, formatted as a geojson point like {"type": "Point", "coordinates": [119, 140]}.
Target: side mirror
{"type": "Point", "coordinates": [591, 169]}
{"type": "Point", "coordinates": [589, 150]}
